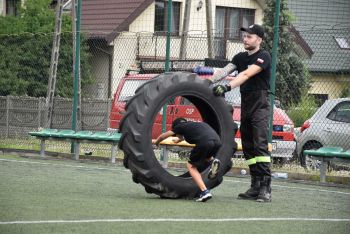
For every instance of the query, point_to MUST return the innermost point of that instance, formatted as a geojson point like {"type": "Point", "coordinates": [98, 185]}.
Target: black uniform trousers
{"type": "Point", "coordinates": [255, 112]}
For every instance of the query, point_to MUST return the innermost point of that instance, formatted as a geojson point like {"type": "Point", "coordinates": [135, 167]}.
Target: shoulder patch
{"type": "Point", "coordinates": [259, 60]}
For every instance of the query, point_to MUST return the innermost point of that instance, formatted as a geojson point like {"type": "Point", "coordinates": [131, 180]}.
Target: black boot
{"type": "Point", "coordinates": [265, 189]}
{"type": "Point", "coordinates": [253, 192]}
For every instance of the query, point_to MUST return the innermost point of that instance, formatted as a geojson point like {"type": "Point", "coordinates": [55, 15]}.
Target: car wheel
{"type": "Point", "coordinates": [307, 162]}
{"type": "Point", "coordinates": [137, 123]}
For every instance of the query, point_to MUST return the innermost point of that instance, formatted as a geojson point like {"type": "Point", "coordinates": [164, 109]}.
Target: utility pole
{"type": "Point", "coordinates": [185, 28]}
{"type": "Point", "coordinates": [209, 17]}
{"type": "Point", "coordinates": [54, 63]}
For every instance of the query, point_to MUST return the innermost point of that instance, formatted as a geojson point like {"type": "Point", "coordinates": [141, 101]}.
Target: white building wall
{"type": "Point", "coordinates": [145, 21]}
{"type": "Point", "coordinates": [100, 70]}
{"type": "Point", "coordinates": [329, 84]}
{"type": "Point", "coordinates": [2, 7]}
{"type": "Point", "coordinates": [154, 46]}
{"type": "Point", "coordinates": [198, 17]}
{"type": "Point", "coordinates": [124, 56]}
{"type": "Point", "coordinates": [126, 45]}
{"type": "Point", "coordinates": [197, 25]}
{"type": "Point", "coordinates": [233, 48]}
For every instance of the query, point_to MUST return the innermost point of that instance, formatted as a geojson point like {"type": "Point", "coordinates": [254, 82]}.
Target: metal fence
{"type": "Point", "coordinates": [313, 65]}
{"type": "Point", "coordinates": [22, 114]}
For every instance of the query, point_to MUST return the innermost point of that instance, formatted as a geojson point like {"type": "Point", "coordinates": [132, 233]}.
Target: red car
{"type": "Point", "coordinates": [283, 127]}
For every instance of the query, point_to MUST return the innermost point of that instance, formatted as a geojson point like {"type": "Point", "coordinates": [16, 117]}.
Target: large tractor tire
{"type": "Point", "coordinates": [136, 129]}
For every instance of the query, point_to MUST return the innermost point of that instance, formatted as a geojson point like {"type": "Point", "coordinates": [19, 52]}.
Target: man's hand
{"type": "Point", "coordinates": [155, 142]}
{"type": "Point", "coordinates": [176, 140]}
{"type": "Point", "coordinates": [220, 90]}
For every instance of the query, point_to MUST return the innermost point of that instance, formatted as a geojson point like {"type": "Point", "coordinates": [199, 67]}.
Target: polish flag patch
{"type": "Point", "coordinates": [259, 60]}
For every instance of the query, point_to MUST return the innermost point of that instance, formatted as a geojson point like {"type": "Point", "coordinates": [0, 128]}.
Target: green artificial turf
{"type": "Point", "coordinates": [102, 198]}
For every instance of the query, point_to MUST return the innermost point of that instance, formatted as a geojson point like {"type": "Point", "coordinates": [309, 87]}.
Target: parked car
{"type": "Point", "coordinates": [329, 126]}
{"type": "Point", "coordinates": [283, 128]}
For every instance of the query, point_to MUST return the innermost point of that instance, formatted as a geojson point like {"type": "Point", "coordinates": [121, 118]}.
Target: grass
{"type": "Point", "coordinates": [101, 150]}
{"type": "Point", "coordinates": [33, 189]}
{"type": "Point", "coordinates": [18, 143]}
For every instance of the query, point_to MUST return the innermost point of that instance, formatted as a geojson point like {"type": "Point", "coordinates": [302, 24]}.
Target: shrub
{"type": "Point", "coordinates": [303, 110]}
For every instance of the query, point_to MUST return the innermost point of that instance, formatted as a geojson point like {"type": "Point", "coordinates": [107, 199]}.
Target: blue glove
{"type": "Point", "coordinates": [220, 90]}
{"type": "Point", "coordinates": [202, 70]}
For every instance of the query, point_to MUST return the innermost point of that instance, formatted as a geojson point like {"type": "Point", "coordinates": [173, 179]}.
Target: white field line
{"type": "Point", "coordinates": [172, 220]}
{"type": "Point", "coordinates": [291, 187]}
{"type": "Point", "coordinates": [125, 170]}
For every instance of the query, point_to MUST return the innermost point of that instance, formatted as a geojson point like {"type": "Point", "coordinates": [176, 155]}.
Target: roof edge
{"type": "Point", "coordinates": [339, 71]}
{"type": "Point", "coordinates": [126, 23]}
{"type": "Point", "coordinates": [303, 44]}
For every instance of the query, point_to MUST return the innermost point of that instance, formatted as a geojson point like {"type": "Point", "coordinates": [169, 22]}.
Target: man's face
{"type": "Point", "coordinates": [251, 41]}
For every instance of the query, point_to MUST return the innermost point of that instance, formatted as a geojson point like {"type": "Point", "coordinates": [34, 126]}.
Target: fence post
{"type": "Point", "coordinates": [39, 112]}
{"type": "Point", "coordinates": [274, 65]}
{"type": "Point", "coordinates": [167, 66]}
{"type": "Point", "coordinates": [109, 106]}
{"type": "Point", "coordinates": [7, 116]}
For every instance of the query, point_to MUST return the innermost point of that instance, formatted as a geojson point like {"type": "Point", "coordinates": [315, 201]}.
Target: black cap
{"type": "Point", "coordinates": [255, 29]}
{"type": "Point", "coordinates": [177, 122]}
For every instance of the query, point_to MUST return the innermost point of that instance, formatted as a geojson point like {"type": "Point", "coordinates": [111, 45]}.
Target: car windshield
{"type": "Point", "coordinates": [129, 89]}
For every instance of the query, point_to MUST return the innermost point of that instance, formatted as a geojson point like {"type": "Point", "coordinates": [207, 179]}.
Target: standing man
{"type": "Point", "coordinates": [254, 67]}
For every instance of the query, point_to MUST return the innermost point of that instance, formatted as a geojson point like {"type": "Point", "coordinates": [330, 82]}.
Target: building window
{"type": "Point", "coordinates": [342, 42]}
{"type": "Point", "coordinates": [12, 7]}
{"type": "Point", "coordinates": [161, 17]}
{"type": "Point", "coordinates": [228, 21]}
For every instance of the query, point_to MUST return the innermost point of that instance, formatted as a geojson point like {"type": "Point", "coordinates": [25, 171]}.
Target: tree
{"type": "Point", "coordinates": [25, 52]}
{"type": "Point", "coordinates": [292, 77]}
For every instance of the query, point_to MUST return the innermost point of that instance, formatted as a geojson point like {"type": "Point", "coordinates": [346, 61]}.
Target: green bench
{"type": "Point", "coordinates": [78, 137]}
{"type": "Point", "coordinates": [327, 154]}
